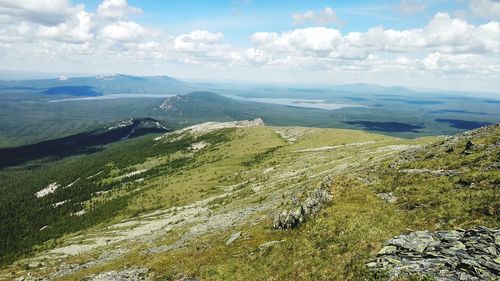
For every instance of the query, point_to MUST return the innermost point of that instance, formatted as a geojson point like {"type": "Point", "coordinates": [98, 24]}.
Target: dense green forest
{"type": "Point", "coordinates": [25, 217]}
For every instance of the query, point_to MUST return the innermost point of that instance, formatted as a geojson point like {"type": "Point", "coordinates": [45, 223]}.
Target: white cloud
{"type": "Point", "coordinates": [325, 17]}
{"type": "Point", "coordinates": [45, 12]}
{"type": "Point", "coordinates": [463, 64]}
{"type": "Point", "coordinates": [78, 29]}
{"type": "Point", "coordinates": [442, 33]}
{"type": "Point", "coordinates": [116, 10]}
{"type": "Point", "coordinates": [17, 33]}
{"type": "Point", "coordinates": [445, 46]}
{"type": "Point", "coordinates": [317, 40]}
{"type": "Point", "coordinates": [410, 7]}
{"type": "Point", "coordinates": [199, 41]}
{"type": "Point", "coordinates": [488, 9]}
{"type": "Point", "coordinates": [57, 20]}
{"type": "Point", "coordinates": [124, 31]}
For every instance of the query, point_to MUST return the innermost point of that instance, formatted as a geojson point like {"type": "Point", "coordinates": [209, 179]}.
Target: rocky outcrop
{"type": "Point", "coordinates": [132, 274]}
{"type": "Point", "coordinates": [447, 173]}
{"type": "Point", "coordinates": [445, 255]}
{"type": "Point", "coordinates": [287, 219]}
{"type": "Point", "coordinates": [388, 197]}
{"type": "Point", "coordinates": [463, 144]}
{"type": "Point", "coordinates": [170, 102]}
{"type": "Point", "coordinates": [213, 126]}
{"type": "Point", "coordinates": [208, 127]}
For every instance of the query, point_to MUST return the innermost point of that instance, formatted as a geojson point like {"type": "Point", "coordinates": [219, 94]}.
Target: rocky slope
{"type": "Point", "coordinates": [445, 255]}
{"type": "Point", "coordinates": [244, 201]}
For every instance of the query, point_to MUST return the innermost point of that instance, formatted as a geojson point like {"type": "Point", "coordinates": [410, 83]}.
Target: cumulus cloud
{"type": "Point", "coordinates": [317, 40]}
{"type": "Point", "coordinates": [446, 45]}
{"type": "Point", "coordinates": [410, 7]}
{"type": "Point", "coordinates": [77, 29]}
{"type": "Point", "coordinates": [124, 31]}
{"type": "Point", "coordinates": [116, 10]}
{"type": "Point", "coordinates": [17, 33]}
{"type": "Point", "coordinates": [57, 20]}
{"type": "Point", "coordinates": [198, 41]}
{"type": "Point", "coordinates": [324, 17]}
{"type": "Point", "coordinates": [46, 12]}
{"type": "Point", "coordinates": [460, 64]}
{"type": "Point", "coordinates": [442, 33]}
{"type": "Point", "coordinates": [488, 9]}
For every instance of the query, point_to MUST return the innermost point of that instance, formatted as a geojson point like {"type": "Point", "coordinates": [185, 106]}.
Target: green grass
{"type": "Point", "coordinates": [264, 168]}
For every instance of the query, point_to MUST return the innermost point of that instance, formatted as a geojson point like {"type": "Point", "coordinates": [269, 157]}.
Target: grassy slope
{"type": "Point", "coordinates": [336, 244]}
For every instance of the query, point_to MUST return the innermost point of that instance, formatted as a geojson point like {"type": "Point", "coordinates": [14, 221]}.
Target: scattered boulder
{"type": "Point", "coordinates": [388, 197]}
{"type": "Point", "coordinates": [131, 274]}
{"type": "Point", "coordinates": [445, 255]}
{"type": "Point", "coordinates": [35, 264]}
{"type": "Point", "coordinates": [314, 203]}
{"type": "Point", "coordinates": [233, 238]}
{"type": "Point", "coordinates": [269, 244]}
{"type": "Point", "coordinates": [187, 279]}
{"type": "Point", "coordinates": [326, 183]}
{"type": "Point", "coordinates": [287, 219]}
{"type": "Point", "coordinates": [439, 172]}
{"type": "Point", "coordinates": [469, 146]}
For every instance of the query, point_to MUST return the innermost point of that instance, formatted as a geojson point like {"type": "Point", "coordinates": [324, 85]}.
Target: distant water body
{"type": "Point", "coordinates": [114, 96]}
{"type": "Point", "coordinates": [305, 103]}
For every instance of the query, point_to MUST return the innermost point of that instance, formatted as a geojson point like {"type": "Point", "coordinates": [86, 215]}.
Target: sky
{"type": "Point", "coordinates": [443, 44]}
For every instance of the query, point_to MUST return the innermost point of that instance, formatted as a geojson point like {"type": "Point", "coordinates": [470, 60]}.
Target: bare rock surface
{"type": "Point", "coordinates": [131, 274]}
{"type": "Point", "coordinates": [472, 254]}
{"type": "Point", "coordinates": [208, 127]}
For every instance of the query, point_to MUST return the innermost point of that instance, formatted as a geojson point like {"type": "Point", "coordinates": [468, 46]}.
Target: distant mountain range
{"type": "Point", "coordinates": [102, 84]}
{"type": "Point", "coordinates": [128, 84]}
{"type": "Point", "coordinates": [30, 114]}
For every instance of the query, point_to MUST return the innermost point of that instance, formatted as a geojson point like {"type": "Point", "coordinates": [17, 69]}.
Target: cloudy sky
{"type": "Point", "coordinates": [449, 44]}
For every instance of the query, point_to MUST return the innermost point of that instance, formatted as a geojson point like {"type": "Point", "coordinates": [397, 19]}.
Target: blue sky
{"type": "Point", "coordinates": [449, 44]}
{"type": "Point", "coordinates": [238, 19]}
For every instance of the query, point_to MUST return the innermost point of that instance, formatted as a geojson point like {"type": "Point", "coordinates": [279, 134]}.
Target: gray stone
{"type": "Point", "coordinates": [444, 255]}
{"type": "Point", "coordinates": [388, 250]}
{"type": "Point", "coordinates": [269, 244]}
{"type": "Point", "coordinates": [388, 197]}
{"type": "Point", "coordinates": [131, 274]}
{"type": "Point", "coordinates": [233, 238]}
{"type": "Point", "coordinates": [35, 264]}
{"type": "Point", "coordinates": [299, 214]}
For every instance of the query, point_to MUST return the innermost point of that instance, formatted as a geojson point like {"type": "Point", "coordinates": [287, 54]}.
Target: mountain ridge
{"type": "Point", "coordinates": [214, 194]}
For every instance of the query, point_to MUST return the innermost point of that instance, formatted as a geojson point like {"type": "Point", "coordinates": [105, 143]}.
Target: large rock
{"type": "Point", "coordinates": [445, 255]}
{"type": "Point", "coordinates": [287, 219]}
